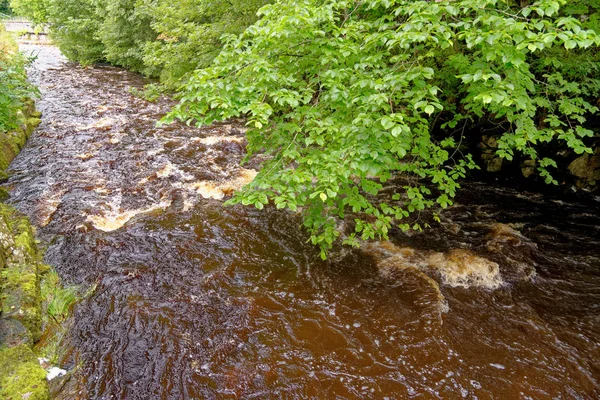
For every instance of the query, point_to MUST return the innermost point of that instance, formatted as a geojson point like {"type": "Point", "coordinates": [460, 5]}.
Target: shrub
{"type": "Point", "coordinates": [345, 95]}
{"type": "Point", "coordinates": [14, 87]}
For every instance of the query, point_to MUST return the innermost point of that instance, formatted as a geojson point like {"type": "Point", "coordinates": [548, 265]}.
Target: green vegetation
{"type": "Point", "coordinates": [154, 37]}
{"type": "Point", "coordinates": [58, 299]}
{"type": "Point", "coordinates": [35, 10]}
{"type": "Point", "coordinates": [5, 8]}
{"type": "Point", "coordinates": [345, 96]}
{"type": "Point", "coordinates": [20, 308]}
{"type": "Point", "coordinates": [58, 302]}
{"type": "Point", "coordinates": [349, 98]}
{"type": "Point", "coordinates": [189, 34]}
{"type": "Point", "coordinates": [22, 377]}
{"type": "Point", "coordinates": [150, 92]}
{"type": "Point", "coordinates": [14, 87]}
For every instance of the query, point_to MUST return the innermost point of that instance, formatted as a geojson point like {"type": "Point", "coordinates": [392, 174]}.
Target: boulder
{"type": "Point", "coordinates": [586, 167]}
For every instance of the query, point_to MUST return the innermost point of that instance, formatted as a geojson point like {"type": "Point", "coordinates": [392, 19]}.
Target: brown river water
{"type": "Point", "coordinates": [193, 300]}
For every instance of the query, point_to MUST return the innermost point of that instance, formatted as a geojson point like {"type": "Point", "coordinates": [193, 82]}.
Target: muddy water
{"type": "Point", "coordinates": [193, 300]}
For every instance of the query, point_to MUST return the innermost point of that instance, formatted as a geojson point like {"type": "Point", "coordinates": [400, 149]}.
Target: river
{"type": "Point", "coordinates": [193, 300]}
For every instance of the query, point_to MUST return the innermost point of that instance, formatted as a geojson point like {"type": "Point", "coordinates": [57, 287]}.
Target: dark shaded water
{"type": "Point", "coordinates": [193, 300]}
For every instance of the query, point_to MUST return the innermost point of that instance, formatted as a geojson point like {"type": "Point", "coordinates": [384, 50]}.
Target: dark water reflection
{"type": "Point", "coordinates": [193, 300]}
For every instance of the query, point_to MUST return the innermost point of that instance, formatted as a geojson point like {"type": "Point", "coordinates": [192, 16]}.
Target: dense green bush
{"type": "Point", "coordinates": [14, 87]}
{"type": "Point", "coordinates": [5, 7]}
{"type": "Point", "coordinates": [188, 33]}
{"type": "Point", "coordinates": [35, 10]}
{"type": "Point", "coordinates": [155, 37]}
{"type": "Point", "coordinates": [124, 31]}
{"type": "Point", "coordinates": [75, 28]}
{"type": "Point", "coordinates": [344, 95]}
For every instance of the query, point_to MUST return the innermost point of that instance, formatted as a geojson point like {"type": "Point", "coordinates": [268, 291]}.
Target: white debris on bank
{"type": "Point", "coordinates": [51, 372]}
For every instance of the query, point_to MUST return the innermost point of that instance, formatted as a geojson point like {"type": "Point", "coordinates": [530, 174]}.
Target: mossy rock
{"type": "Point", "coordinates": [20, 258]}
{"type": "Point", "coordinates": [32, 123]}
{"type": "Point", "coordinates": [8, 148]}
{"type": "Point", "coordinates": [4, 195]}
{"type": "Point", "coordinates": [21, 376]}
{"type": "Point", "coordinates": [12, 142]}
{"type": "Point", "coordinates": [14, 333]}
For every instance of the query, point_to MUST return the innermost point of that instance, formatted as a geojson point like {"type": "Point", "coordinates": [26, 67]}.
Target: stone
{"type": "Point", "coordinates": [528, 168]}
{"type": "Point", "coordinates": [488, 147]}
{"type": "Point", "coordinates": [587, 166]}
{"type": "Point", "coordinates": [21, 376]}
{"type": "Point", "coordinates": [20, 296]}
{"type": "Point", "coordinates": [14, 333]}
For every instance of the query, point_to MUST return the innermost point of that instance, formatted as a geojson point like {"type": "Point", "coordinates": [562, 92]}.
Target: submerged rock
{"type": "Point", "coordinates": [405, 266]}
{"type": "Point", "coordinates": [513, 250]}
{"type": "Point", "coordinates": [463, 268]}
{"type": "Point", "coordinates": [455, 268]}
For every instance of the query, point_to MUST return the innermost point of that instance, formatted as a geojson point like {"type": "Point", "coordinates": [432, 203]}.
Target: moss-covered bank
{"type": "Point", "coordinates": [12, 142]}
{"type": "Point", "coordinates": [21, 268]}
{"type": "Point", "coordinates": [21, 308]}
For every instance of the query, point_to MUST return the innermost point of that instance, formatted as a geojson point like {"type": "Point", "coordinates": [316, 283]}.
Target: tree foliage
{"type": "Point", "coordinates": [344, 95]}
{"type": "Point", "coordinates": [5, 7]}
{"type": "Point", "coordinates": [74, 28]}
{"type": "Point", "coordinates": [35, 10]}
{"type": "Point", "coordinates": [189, 34]}
{"type": "Point", "coordinates": [155, 37]}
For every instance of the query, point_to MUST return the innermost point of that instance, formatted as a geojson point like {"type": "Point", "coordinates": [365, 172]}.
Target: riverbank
{"type": "Point", "coordinates": [20, 287]}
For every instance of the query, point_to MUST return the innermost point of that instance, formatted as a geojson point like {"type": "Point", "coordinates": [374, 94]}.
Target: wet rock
{"type": "Point", "coordinates": [14, 333]}
{"type": "Point", "coordinates": [405, 267]}
{"type": "Point", "coordinates": [63, 387]}
{"type": "Point", "coordinates": [488, 146]}
{"type": "Point", "coordinates": [20, 285]}
{"type": "Point", "coordinates": [21, 377]}
{"type": "Point", "coordinates": [586, 168]}
{"type": "Point", "coordinates": [528, 168]}
{"type": "Point", "coordinates": [501, 235]}
{"type": "Point", "coordinates": [12, 142]}
{"type": "Point", "coordinates": [492, 162]}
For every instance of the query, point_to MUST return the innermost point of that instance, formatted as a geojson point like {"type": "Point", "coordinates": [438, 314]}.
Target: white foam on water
{"type": "Point", "coordinates": [48, 206]}
{"type": "Point", "coordinates": [211, 140]}
{"type": "Point", "coordinates": [166, 171]}
{"type": "Point", "coordinates": [86, 156]}
{"type": "Point", "coordinates": [218, 190]}
{"type": "Point", "coordinates": [103, 123]}
{"type": "Point", "coordinates": [456, 268]}
{"type": "Point", "coordinates": [115, 218]}
{"type": "Point", "coordinates": [462, 268]}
